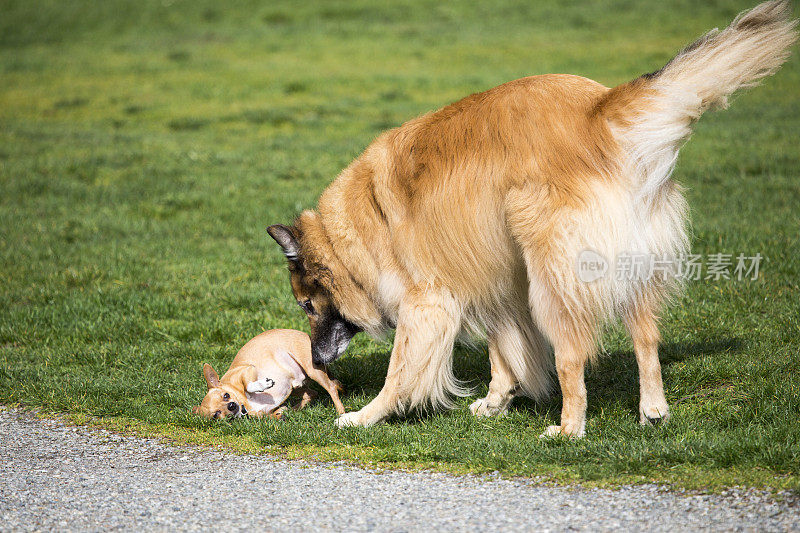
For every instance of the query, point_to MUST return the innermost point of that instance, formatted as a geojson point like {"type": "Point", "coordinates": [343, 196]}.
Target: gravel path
{"type": "Point", "coordinates": [54, 476]}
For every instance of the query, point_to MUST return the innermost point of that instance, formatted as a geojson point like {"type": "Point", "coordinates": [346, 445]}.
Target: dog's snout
{"type": "Point", "coordinates": [318, 357]}
{"type": "Point", "coordinates": [232, 407]}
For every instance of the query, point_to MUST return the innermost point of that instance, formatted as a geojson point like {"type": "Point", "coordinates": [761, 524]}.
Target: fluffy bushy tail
{"type": "Point", "coordinates": [654, 113]}
{"type": "Point", "coordinates": [754, 46]}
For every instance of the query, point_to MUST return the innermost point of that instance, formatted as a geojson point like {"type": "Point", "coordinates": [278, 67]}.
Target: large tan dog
{"type": "Point", "coordinates": [473, 218]}
{"type": "Point", "coordinates": [265, 372]}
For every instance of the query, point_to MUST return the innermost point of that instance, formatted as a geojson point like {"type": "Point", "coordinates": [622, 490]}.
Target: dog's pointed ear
{"type": "Point", "coordinates": [196, 410]}
{"type": "Point", "coordinates": [286, 237]}
{"type": "Point", "coordinates": [212, 379]}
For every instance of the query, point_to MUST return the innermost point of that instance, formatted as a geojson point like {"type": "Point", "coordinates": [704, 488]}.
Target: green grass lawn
{"type": "Point", "coordinates": [145, 146]}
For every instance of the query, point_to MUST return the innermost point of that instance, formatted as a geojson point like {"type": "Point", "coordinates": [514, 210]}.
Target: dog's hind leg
{"type": "Point", "coordinates": [565, 317]}
{"type": "Point", "coordinates": [420, 367]}
{"type": "Point", "coordinates": [331, 386]}
{"type": "Point", "coordinates": [306, 397]}
{"type": "Point", "coordinates": [643, 328]}
{"type": "Point", "coordinates": [502, 387]}
{"type": "Point", "coordinates": [565, 309]}
{"type": "Point", "coordinates": [521, 364]}
{"type": "Point", "coordinates": [574, 342]}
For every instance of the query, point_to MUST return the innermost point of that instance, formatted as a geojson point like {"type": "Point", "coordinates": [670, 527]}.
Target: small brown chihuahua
{"type": "Point", "coordinates": [265, 372]}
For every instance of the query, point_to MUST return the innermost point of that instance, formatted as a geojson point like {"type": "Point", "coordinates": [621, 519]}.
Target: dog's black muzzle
{"type": "Point", "coordinates": [331, 338]}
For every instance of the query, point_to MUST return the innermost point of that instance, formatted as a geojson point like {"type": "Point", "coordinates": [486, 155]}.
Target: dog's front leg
{"type": "Point", "coordinates": [420, 365]}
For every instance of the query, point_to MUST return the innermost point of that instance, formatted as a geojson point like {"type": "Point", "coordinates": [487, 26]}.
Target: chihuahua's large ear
{"type": "Point", "coordinates": [212, 379]}
{"type": "Point", "coordinates": [285, 236]}
{"type": "Point", "coordinates": [195, 409]}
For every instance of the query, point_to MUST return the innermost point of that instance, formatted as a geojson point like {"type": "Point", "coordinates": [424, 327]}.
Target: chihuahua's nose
{"type": "Point", "coordinates": [232, 407]}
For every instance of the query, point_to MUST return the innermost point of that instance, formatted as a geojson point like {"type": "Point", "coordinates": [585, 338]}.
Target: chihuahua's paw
{"type": "Point", "coordinates": [260, 386]}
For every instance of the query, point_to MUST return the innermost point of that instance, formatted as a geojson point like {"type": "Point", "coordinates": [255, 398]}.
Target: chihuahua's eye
{"type": "Point", "coordinates": [226, 397]}
{"type": "Point", "coordinates": [307, 306]}
{"type": "Point", "coordinates": [218, 414]}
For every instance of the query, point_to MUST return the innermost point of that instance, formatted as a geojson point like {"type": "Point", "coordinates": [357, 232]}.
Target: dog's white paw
{"type": "Point", "coordinates": [551, 432]}
{"type": "Point", "coordinates": [260, 385]}
{"type": "Point", "coordinates": [481, 407]}
{"type": "Point", "coordinates": [558, 431]}
{"type": "Point", "coordinates": [476, 407]}
{"type": "Point", "coordinates": [350, 419]}
{"type": "Point", "coordinates": [653, 415]}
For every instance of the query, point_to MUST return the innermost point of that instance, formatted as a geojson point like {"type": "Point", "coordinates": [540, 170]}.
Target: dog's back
{"type": "Point", "coordinates": [270, 342]}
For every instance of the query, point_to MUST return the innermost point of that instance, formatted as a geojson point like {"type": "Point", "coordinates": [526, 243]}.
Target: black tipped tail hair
{"type": "Point", "coordinates": [653, 114]}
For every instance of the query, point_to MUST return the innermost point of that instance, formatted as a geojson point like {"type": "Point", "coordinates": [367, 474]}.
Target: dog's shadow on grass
{"type": "Point", "coordinates": [612, 380]}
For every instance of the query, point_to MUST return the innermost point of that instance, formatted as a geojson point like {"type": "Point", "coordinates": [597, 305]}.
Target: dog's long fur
{"type": "Point", "coordinates": [472, 217]}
